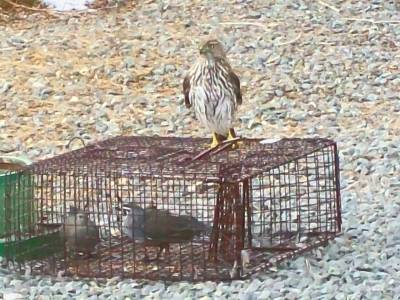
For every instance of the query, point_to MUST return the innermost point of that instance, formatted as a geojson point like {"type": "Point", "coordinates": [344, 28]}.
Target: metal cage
{"type": "Point", "coordinates": [257, 205]}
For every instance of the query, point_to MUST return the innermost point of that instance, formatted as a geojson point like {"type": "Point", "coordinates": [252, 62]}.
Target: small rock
{"type": "Point", "coordinates": [170, 68]}
{"type": "Point", "coordinates": [371, 97]}
{"type": "Point", "coordinates": [129, 62]}
{"type": "Point", "coordinates": [5, 86]}
{"type": "Point", "coordinates": [7, 147]}
{"type": "Point", "coordinates": [40, 89]}
{"type": "Point", "coordinates": [12, 296]}
{"type": "Point", "coordinates": [299, 116]}
{"type": "Point", "coordinates": [101, 126]}
{"type": "Point", "coordinates": [306, 86]}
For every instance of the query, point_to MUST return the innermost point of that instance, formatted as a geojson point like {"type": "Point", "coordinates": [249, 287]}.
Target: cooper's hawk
{"type": "Point", "coordinates": [213, 89]}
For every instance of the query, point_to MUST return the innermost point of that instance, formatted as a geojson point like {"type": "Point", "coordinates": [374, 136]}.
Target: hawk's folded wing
{"type": "Point", "coordinates": [236, 87]}
{"type": "Point", "coordinates": [186, 90]}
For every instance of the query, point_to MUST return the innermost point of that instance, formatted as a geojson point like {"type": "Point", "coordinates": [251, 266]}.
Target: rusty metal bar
{"type": "Point", "coordinates": [337, 185]}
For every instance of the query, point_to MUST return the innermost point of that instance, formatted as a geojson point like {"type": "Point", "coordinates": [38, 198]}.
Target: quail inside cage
{"type": "Point", "coordinates": [153, 227]}
{"type": "Point", "coordinates": [168, 209]}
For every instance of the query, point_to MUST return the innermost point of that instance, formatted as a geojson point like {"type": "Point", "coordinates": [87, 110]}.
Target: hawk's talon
{"type": "Point", "coordinates": [231, 136]}
{"type": "Point", "coordinates": [215, 141]}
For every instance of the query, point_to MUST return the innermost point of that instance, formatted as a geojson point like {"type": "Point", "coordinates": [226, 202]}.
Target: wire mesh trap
{"type": "Point", "coordinates": [163, 208]}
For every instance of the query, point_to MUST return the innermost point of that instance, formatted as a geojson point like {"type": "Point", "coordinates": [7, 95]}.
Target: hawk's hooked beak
{"type": "Point", "coordinates": [203, 50]}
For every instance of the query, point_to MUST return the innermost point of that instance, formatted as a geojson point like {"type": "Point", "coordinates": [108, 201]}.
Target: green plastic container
{"type": "Point", "coordinates": [20, 239]}
{"type": "Point", "coordinates": [17, 212]}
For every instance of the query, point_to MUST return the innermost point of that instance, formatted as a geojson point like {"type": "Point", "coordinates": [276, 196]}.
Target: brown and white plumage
{"type": "Point", "coordinates": [213, 89]}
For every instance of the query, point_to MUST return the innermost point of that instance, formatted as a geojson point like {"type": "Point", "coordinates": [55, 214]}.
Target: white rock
{"type": "Point", "coordinates": [12, 296]}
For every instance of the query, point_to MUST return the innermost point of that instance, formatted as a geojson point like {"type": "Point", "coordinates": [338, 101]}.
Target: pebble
{"type": "Point", "coordinates": [129, 62]}
{"type": "Point", "coordinates": [7, 147]}
{"type": "Point", "coordinates": [279, 93]}
{"type": "Point", "coordinates": [13, 296]}
{"type": "Point", "coordinates": [5, 86]}
{"type": "Point", "coordinates": [372, 97]}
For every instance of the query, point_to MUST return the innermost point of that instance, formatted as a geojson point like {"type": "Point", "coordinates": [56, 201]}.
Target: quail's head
{"type": "Point", "coordinates": [133, 221]}
{"type": "Point", "coordinates": [135, 211]}
{"type": "Point", "coordinates": [212, 49]}
{"type": "Point", "coordinates": [78, 216]}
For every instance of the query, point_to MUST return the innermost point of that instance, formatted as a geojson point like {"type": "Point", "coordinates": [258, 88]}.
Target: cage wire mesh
{"type": "Point", "coordinates": [166, 209]}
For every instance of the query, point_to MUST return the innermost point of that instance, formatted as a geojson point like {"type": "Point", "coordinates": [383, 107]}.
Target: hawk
{"type": "Point", "coordinates": [213, 89]}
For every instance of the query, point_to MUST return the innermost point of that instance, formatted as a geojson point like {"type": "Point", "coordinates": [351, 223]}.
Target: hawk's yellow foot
{"type": "Point", "coordinates": [215, 141]}
{"type": "Point", "coordinates": [231, 136]}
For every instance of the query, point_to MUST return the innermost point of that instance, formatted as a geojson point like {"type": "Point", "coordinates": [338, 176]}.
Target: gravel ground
{"type": "Point", "coordinates": [308, 68]}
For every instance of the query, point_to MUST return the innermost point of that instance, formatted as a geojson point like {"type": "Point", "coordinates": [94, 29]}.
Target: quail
{"type": "Point", "coordinates": [158, 228]}
{"type": "Point", "coordinates": [81, 234]}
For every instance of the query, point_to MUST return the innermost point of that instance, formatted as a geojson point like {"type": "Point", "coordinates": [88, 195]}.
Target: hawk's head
{"type": "Point", "coordinates": [212, 49]}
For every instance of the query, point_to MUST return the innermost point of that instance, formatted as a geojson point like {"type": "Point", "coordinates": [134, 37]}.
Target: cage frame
{"type": "Point", "coordinates": [239, 185]}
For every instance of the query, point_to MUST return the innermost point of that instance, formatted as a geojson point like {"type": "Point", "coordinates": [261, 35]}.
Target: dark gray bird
{"type": "Point", "coordinates": [159, 228]}
{"type": "Point", "coordinates": [213, 89]}
{"type": "Point", "coordinates": [81, 234]}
